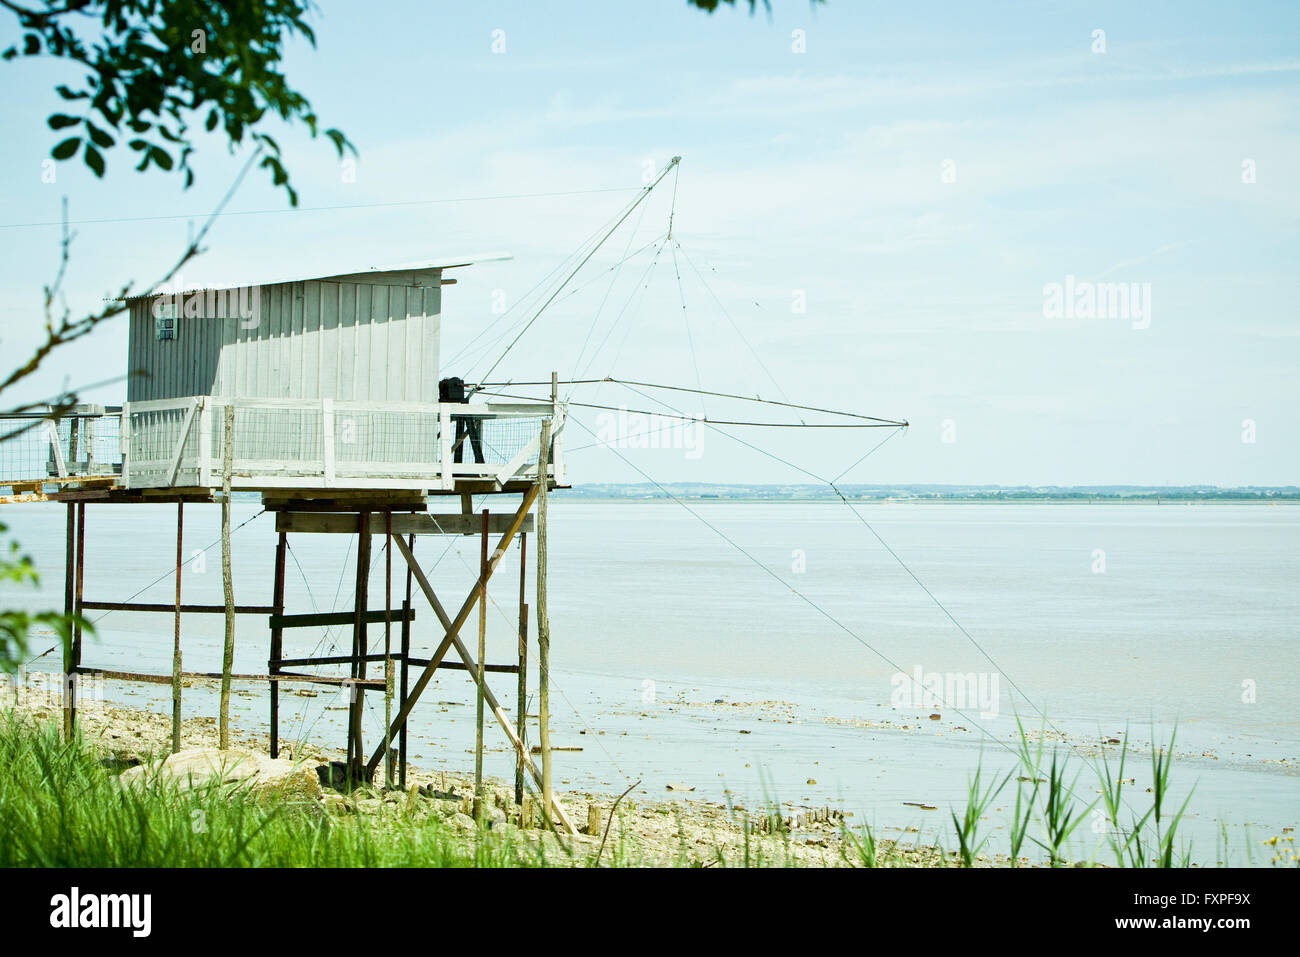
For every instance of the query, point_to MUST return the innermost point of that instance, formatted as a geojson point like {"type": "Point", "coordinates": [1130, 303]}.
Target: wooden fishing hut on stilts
{"type": "Point", "coordinates": [322, 395]}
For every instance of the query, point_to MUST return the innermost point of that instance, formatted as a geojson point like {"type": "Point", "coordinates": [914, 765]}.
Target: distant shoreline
{"type": "Point", "coordinates": [926, 494]}
{"type": "Point", "coordinates": [918, 494]}
{"type": "Point", "coordinates": [992, 500]}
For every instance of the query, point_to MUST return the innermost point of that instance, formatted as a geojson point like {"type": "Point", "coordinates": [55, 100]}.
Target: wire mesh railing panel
{"type": "Point", "coordinates": [503, 438]}
{"type": "Point", "coordinates": [84, 444]}
{"type": "Point", "coordinates": [287, 438]}
{"type": "Point", "coordinates": [91, 444]}
{"type": "Point", "coordinates": [25, 456]}
{"type": "Point", "coordinates": [406, 440]}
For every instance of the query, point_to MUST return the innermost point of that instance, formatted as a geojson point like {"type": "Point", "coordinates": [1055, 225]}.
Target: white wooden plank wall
{"type": "Point", "coordinates": [342, 340]}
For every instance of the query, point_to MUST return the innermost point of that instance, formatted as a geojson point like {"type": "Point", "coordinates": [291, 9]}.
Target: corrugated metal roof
{"type": "Point", "coordinates": [419, 265]}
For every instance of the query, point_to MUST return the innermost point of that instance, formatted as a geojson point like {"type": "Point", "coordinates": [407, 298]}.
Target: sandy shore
{"type": "Point", "coordinates": [683, 832]}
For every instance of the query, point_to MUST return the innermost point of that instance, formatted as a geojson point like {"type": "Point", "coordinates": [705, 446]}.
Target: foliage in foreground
{"type": "Point", "coordinates": [17, 568]}
{"type": "Point", "coordinates": [1050, 806]}
{"type": "Point", "coordinates": [143, 74]}
{"type": "Point", "coordinates": [59, 807]}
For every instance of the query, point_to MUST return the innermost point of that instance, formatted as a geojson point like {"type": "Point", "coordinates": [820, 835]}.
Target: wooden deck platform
{"type": "Point", "coordinates": [355, 454]}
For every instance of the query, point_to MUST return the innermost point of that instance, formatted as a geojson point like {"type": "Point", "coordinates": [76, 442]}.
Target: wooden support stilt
{"type": "Point", "coordinates": [69, 595]}
{"type": "Point", "coordinates": [388, 647]}
{"type": "Point", "coordinates": [521, 727]}
{"type": "Point", "coordinates": [482, 657]}
{"type": "Point", "coordinates": [277, 639]}
{"type": "Point", "coordinates": [359, 642]}
{"type": "Point", "coordinates": [543, 627]}
{"type": "Point", "coordinates": [406, 653]}
{"type": "Point", "coordinates": [227, 576]}
{"type": "Point", "coordinates": [176, 632]}
{"type": "Point", "coordinates": [74, 424]}
{"type": "Point", "coordinates": [73, 676]}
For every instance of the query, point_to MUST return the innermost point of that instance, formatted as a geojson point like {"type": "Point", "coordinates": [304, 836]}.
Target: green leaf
{"type": "Point", "coordinates": [67, 148]}
{"type": "Point", "coordinates": [278, 176]}
{"type": "Point", "coordinates": [340, 141]}
{"type": "Point", "coordinates": [135, 86]}
{"type": "Point", "coordinates": [98, 136]}
{"type": "Point", "coordinates": [95, 161]}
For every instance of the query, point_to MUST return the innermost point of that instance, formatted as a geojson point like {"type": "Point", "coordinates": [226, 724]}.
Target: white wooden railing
{"type": "Point", "coordinates": [48, 446]}
{"type": "Point", "coordinates": [334, 443]}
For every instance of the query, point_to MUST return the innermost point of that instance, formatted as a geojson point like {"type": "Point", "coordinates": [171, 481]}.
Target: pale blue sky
{"type": "Point", "coordinates": [816, 171]}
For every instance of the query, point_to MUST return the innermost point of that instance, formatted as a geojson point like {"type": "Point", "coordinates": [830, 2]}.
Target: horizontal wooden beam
{"type": "Point", "coordinates": [121, 496]}
{"type": "Point", "coordinates": [328, 660]}
{"type": "Point", "coordinates": [171, 609]}
{"type": "Point", "coordinates": [379, 683]}
{"type": "Point", "coordinates": [66, 480]}
{"type": "Point", "coordinates": [405, 523]}
{"type": "Point", "coordinates": [167, 679]}
{"type": "Point", "coordinates": [415, 662]}
{"type": "Point", "coordinates": [481, 487]}
{"type": "Point", "coordinates": [460, 666]}
{"type": "Point", "coordinates": [326, 618]}
{"type": "Point", "coordinates": [344, 505]}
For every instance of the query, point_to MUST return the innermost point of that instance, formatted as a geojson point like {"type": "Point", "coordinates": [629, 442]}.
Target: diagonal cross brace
{"type": "Point", "coordinates": [451, 626]}
{"type": "Point", "coordinates": [452, 638]}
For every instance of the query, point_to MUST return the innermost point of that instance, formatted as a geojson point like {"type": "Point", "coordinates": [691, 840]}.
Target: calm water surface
{"type": "Point", "coordinates": [679, 659]}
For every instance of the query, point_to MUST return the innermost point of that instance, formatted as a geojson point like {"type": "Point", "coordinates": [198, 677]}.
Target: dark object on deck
{"type": "Point", "coordinates": [453, 390]}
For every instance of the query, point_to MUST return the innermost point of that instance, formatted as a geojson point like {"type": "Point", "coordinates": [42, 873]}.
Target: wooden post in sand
{"type": "Point", "coordinates": [388, 647]}
{"type": "Point", "coordinates": [406, 651]}
{"type": "Point", "coordinates": [69, 586]}
{"type": "Point", "coordinates": [74, 676]}
{"type": "Point", "coordinates": [521, 723]}
{"type": "Point", "coordinates": [544, 626]}
{"type": "Point", "coordinates": [227, 578]}
{"type": "Point", "coordinates": [360, 647]}
{"type": "Point", "coordinates": [277, 639]}
{"type": "Point", "coordinates": [482, 656]}
{"type": "Point", "coordinates": [176, 634]}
